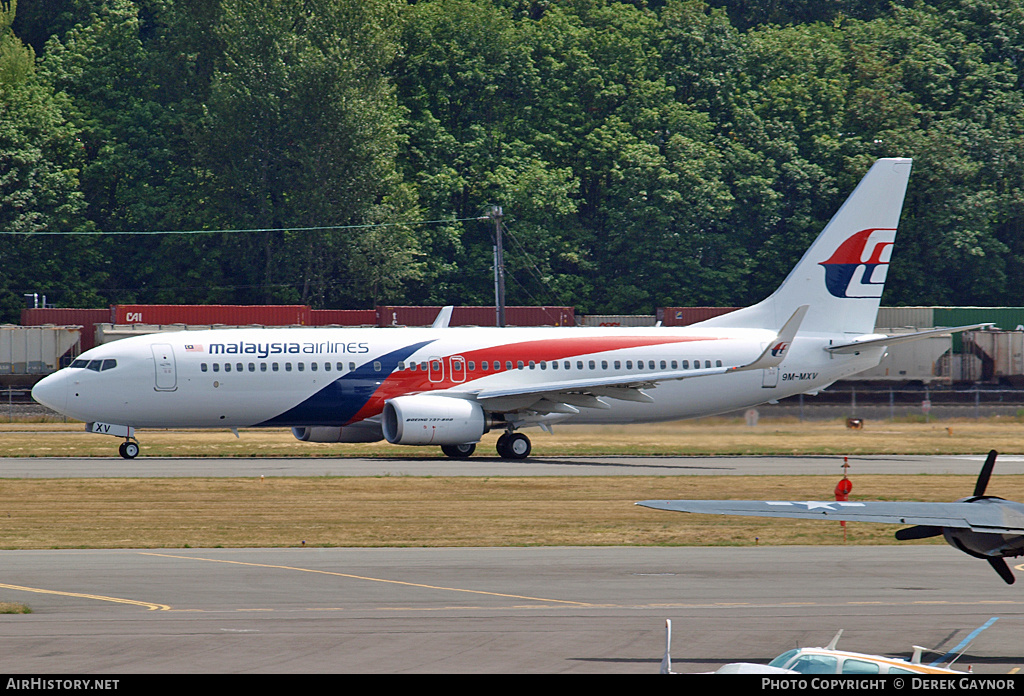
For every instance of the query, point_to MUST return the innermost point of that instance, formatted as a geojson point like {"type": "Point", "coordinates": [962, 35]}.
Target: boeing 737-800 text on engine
{"type": "Point", "coordinates": [448, 386]}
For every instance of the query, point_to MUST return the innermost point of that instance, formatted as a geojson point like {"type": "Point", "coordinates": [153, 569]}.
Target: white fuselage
{"type": "Point", "coordinates": [337, 376]}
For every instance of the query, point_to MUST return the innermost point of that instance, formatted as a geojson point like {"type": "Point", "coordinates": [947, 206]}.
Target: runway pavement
{"type": "Point", "coordinates": [78, 467]}
{"type": "Point", "coordinates": [516, 610]}
{"type": "Point", "coordinates": [519, 610]}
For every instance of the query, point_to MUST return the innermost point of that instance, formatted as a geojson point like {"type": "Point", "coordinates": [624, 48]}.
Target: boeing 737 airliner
{"type": "Point", "coordinates": [448, 386]}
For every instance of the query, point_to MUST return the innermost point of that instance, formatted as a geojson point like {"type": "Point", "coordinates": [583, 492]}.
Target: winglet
{"type": "Point", "coordinates": [776, 351]}
{"type": "Point", "coordinates": [443, 317]}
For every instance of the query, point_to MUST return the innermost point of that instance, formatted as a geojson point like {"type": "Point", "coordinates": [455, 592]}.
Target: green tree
{"type": "Point", "coordinates": [468, 80]}
{"type": "Point", "coordinates": [40, 157]}
{"type": "Point", "coordinates": [955, 105]}
{"type": "Point", "coordinates": [300, 130]}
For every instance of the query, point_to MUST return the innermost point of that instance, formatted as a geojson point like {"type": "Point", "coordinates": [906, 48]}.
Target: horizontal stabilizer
{"type": "Point", "coordinates": [857, 346]}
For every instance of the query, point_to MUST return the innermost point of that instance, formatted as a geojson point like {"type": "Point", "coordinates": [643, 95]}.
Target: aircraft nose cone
{"type": "Point", "coordinates": [52, 391]}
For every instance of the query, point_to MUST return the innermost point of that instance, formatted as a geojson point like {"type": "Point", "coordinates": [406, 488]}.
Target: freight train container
{"type": "Point", "coordinates": [617, 320]}
{"type": "Point", "coordinates": [1001, 354]}
{"type": "Point", "coordinates": [343, 317]}
{"type": "Point", "coordinates": [905, 318]}
{"type": "Point", "coordinates": [477, 316]}
{"type": "Point", "coordinates": [86, 318]}
{"type": "Point", "coordinates": [684, 316]}
{"type": "Point", "coordinates": [35, 350]}
{"type": "Point", "coordinates": [917, 361]}
{"type": "Point", "coordinates": [234, 315]}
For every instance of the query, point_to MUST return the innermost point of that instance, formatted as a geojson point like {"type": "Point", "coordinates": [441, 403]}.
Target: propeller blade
{"type": "Point", "coordinates": [1000, 567]}
{"type": "Point", "coordinates": [985, 475]}
{"type": "Point", "coordinates": [921, 531]}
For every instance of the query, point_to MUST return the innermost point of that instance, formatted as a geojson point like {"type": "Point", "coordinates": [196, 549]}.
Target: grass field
{"type": "Point", "coordinates": [473, 511]}
{"type": "Point", "coordinates": [440, 511]}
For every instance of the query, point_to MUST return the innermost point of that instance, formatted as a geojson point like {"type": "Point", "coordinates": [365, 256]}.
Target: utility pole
{"type": "Point", "coordinates": [499, 267]}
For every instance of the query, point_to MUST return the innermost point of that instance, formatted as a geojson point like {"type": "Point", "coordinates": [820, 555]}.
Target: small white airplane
{"type": "Point", "coordinates": [982, 526]}
{"type": "Point", "coordinates": [448, 386]}
{"type": "Point", "coordinates": [827, 660]}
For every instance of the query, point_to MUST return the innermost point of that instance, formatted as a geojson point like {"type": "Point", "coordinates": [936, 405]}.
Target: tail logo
{"type": "Point", "coordinates": [779, 349]}
{"type": "Point", "coordinates": [857, 269]}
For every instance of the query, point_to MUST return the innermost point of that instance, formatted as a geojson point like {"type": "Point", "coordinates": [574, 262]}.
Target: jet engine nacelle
{"type": "Point", "coordinates": [348, 433]}
{"type": "Point", "coordinates": [422, 419]}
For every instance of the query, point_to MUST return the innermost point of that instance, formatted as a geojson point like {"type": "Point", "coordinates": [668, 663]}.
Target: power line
{"type": "Point", "coordinates": [238, 231]}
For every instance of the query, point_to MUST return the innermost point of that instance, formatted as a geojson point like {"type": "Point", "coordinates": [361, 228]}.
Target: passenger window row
{"type": "Point", "coordinates": [277, 367]}
{"type": "Point", "coordinates": [435, 365]}
{"type": "Point", "coordinates": [496, 366]}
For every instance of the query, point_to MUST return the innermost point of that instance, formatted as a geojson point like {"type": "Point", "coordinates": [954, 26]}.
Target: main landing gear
{"type": "Point", "coordinates": [129, 449]}
{"type": "Point", "coordinates": [510, 446]}
{"type": "Point", "coordinates": [514, 446]}
{"type": "Point", "coordinates": [458, 451]}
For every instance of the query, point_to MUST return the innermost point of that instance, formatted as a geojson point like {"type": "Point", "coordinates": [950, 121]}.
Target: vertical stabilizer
{"type": "Point", "coordinates": [843, 273]}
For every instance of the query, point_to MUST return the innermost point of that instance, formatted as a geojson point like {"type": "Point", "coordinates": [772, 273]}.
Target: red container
{"type": "Point", "coordinates": [540, 316]}
{"type": "Point", "coordinates": [343, 317]}
{"type": "Point", "coordinates": [391, 315]}
{"type": "Point", "coordinates": [86, 318]}
{"type": "Point", "coordinates": [232, 315]}
{"type": "Point", "coordinates": [684, 316]}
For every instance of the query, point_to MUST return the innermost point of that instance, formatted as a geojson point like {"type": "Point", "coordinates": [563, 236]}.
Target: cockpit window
{"type": "Point", "coordinates": [853, 666]}
{"type": "Point", "coordinates": [782, 659]}
{"type": "Point", "coordinates": [814, 664]}
{"type": "Point", "coordinates": [95, 365]}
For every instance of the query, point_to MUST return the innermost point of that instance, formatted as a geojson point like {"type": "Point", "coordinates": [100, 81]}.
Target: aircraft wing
{"type": "Point", "coordinates": [629, 387]}
{"type": "Point", "coordinates": [856, 346]}
{"type": "Point", "coordinates": [991, 515]}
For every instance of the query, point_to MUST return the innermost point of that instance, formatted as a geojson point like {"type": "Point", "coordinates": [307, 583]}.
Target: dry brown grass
{"type": "Point", "coordinates": [14, 608]}
{"type": "Point", "coordinates": [462, 511]}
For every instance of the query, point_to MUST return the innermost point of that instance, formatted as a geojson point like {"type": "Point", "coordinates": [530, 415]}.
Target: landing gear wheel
{"type": "Point", "coordinates": [513, 446]}
{"type": "Point", "coordinates": [459, 451]}
{"type": "Point", "coordinates": [128, 450]}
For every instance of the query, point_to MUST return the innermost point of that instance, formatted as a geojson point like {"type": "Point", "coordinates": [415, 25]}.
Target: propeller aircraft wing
{"type": "Point", "coordinates": [995, 519]}
{"type": "Point", "coordinates": [982, 526]}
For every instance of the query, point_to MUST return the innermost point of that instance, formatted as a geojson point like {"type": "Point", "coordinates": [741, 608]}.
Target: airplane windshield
{"type": "Point", "coordinates": [95, 365]}
{"type": "Point", "coordinates": [814, 664]}
{"type": "Point", "coordinates": [782, 659]}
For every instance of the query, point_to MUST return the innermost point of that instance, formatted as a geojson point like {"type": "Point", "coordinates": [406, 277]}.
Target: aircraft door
{"type": "Point", "coordinates": [457, 367]}
{"type": "Point", "coordinates": [166, 370]}
{"type": "Point", "coordinates": [435, 369]}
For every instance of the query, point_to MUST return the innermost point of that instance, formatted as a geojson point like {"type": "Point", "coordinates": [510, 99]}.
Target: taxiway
{"type": "Point", "coordinates": [520, 610]}
{"type": "Point", "coordinates": [105, 467]}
